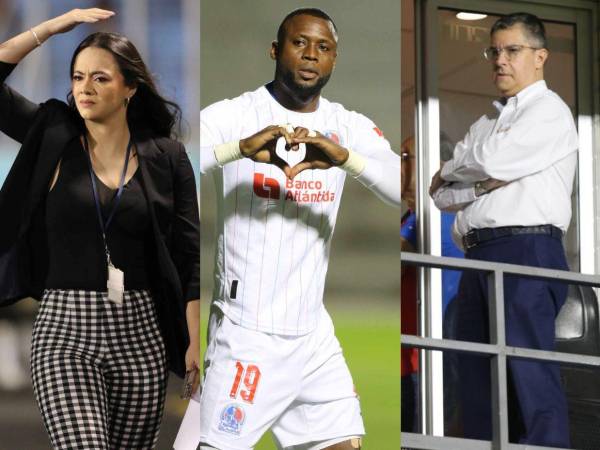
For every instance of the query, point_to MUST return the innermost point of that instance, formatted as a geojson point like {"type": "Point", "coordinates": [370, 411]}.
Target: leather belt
{"type": "Point", "coordinates": [479, 235]}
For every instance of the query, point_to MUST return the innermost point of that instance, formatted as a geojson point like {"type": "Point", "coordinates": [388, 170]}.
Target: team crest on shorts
{"type": "Point", "coordinates": [232, 418]}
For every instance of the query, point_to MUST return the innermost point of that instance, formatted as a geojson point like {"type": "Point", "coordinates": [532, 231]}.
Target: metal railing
{"type": "Point", "coordinates": [497, 349]}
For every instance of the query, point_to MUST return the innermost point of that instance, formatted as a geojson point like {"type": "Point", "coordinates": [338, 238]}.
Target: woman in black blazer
{"type": "Point", "coordinates": [100, 222]}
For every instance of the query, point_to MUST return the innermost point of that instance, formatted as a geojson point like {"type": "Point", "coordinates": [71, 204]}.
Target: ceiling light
{"type": "Point", "coordinates": [470, 16]}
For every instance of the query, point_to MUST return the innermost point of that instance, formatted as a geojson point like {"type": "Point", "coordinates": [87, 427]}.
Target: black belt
{"type": "Point", "coordinates": [480, 235]}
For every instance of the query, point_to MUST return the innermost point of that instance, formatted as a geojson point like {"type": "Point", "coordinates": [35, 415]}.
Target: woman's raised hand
{"type": "Point", "coordinates": [69, 20]}
{"type": "Point", "coordinates": [16, 48]}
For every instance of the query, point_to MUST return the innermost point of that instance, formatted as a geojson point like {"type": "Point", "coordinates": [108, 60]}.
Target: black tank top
{"type": "Point", "coordinates": [75, 250]}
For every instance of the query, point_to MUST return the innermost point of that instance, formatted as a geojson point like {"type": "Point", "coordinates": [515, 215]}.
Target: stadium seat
{"type": "Point", "coordinates": [578, 331]}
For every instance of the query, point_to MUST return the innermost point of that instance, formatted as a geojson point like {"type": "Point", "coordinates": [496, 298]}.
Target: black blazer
{"type": "Point", "coordinates": [167, 179]}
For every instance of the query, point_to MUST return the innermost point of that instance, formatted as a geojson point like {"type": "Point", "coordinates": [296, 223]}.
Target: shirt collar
{"type": "Point", "coordinates": [522, 96]}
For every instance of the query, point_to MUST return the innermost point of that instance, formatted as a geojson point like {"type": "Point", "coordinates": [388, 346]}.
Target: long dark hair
{"type": "Point", "coordinates": [147, 109]}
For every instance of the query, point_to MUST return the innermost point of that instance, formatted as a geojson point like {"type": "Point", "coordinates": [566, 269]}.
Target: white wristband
{"type": "Point", "coordinates": [225, 153]}
{"type": "Point", "coordinates": [355, 164]}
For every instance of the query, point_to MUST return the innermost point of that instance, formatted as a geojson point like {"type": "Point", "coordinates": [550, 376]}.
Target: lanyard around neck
{"type": "Point", "coordinates": [104, 225]}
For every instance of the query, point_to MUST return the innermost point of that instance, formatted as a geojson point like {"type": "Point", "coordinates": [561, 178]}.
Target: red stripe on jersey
{"type": "Point", "coordinates": [378, 131]}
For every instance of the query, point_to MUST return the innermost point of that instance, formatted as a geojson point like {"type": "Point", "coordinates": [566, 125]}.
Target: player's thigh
{"type": "Point", "coordinates": [327, 408]}
{"type": "Point", "coordinates": [250, 380]}
{"type": "Point", "coordinates": [326, 376]}
{"type": "Point", "coordinates": [310, 426]}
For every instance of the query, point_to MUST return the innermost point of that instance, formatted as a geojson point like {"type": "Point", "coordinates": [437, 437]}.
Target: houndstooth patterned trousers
{"type": "Point", "coordinates": [99, 370]}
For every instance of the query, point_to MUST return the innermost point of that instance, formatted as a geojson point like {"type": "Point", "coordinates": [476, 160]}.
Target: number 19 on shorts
{"type": "Point", "coordinates": [251, 376]}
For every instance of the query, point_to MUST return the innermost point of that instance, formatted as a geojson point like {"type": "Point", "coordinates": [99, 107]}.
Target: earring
{"type": "Point", "coordinates": [126, 102]}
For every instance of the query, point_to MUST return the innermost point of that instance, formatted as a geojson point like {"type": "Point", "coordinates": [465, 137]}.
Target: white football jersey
{"type": "Point", "coordinates": [274, 235]}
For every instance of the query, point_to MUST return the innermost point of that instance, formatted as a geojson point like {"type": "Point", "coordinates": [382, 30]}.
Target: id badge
{"type": "Point", "coordinates": [115, 284]}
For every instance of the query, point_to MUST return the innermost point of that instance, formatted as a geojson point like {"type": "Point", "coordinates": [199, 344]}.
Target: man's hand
{"type": "Point", "coordinates": [260, 147]}
{"type": "Point", "coordinates": [491, 183]}
{"type": "Point", "coordinates": [321, 152]}
{"type": "Point", "coordinates": [486, 186]}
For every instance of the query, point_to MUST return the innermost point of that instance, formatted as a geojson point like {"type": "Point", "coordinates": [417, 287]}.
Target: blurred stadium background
{"type": "Point", "coordinates": [166, 33]}
{"type": "Point", "coordinates": [363, 286]}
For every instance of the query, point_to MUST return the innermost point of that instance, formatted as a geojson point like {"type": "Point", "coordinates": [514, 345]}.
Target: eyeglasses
{"type": "Point", "coordinates": [511, 51]}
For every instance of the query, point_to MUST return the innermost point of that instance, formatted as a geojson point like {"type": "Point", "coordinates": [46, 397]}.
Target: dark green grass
{"type": "Point", "coordinates": [371, 342]}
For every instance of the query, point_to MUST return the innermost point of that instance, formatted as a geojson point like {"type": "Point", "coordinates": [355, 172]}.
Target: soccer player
{"type": "Point", "coordinates": [279, 156]}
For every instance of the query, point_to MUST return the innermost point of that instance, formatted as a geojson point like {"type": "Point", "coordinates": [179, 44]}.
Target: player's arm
{"type": "Point", "coordinates": [381, 174]}
{"type": "Point", "coordinates": [379, 171]}
{"type": "Point", "coordinates": [219, 148]}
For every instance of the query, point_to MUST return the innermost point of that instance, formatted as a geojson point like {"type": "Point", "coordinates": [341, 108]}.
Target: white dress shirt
{"type": "Point", "coordinates": [532, 143]}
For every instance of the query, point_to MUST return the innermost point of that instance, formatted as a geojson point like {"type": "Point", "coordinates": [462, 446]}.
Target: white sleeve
{"type": "Point", "coordinates": [216, 127]}
{"type": "Point", "coordinates": [453, 197]}
{"type": "Point", "coordinates": [542, 134]}
{"type": "Point", "coordinates": [382, 165]}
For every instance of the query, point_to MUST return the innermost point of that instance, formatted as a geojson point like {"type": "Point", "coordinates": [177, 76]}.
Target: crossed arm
{"type": "Point", "coordinates": [454, 196]}
{"type": "Point", "coordinates": [542, 134]}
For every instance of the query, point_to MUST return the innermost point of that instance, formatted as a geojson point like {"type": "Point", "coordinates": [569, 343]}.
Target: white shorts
{"type": "Point", "coordinates": [299, 387]}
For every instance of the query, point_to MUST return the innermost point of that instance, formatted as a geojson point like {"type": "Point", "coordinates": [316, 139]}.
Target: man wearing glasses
{"type": "Point", "coordinates": [511, 180]}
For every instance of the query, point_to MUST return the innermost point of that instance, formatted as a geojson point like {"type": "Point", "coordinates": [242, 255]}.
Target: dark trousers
{"type": "Point", "coordinates": [409, 397]}
{"type": "Point", "coordinates": [537, 404]}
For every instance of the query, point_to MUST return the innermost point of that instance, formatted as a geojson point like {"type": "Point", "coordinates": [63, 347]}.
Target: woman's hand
{"type": "Point", "coordinates": [192, 355]}
{"type": "Point", "coordinates": [192, 362]}
{"type": "Point", "coordinates": [68, 21]}
{"type": "Point", "coordinates": [16, 48]}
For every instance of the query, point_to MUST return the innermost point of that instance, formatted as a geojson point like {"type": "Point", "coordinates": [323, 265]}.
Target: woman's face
{"type": "Point", "coordinates": [98, 85]}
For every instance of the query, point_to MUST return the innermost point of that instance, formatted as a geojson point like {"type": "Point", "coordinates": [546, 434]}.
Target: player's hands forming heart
{"type": "Point", "coordinates": [321, 152]}
{"type": "Point", "coordinates": [261, 147]}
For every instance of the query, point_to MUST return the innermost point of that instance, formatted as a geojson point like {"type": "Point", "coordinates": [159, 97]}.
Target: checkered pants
{"type": "Point", "coordinates": [99, 370]}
